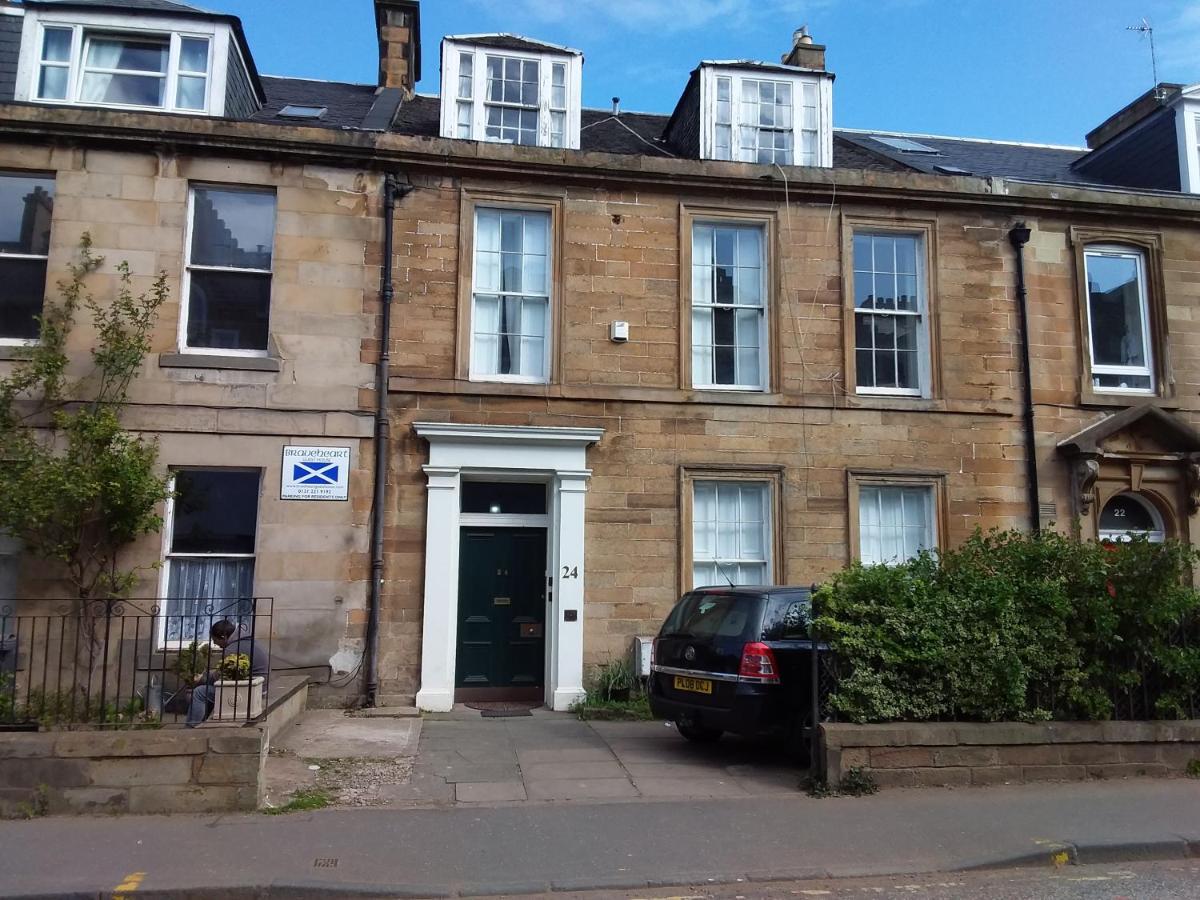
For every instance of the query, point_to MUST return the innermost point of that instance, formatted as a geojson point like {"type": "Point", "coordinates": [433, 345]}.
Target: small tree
{"type": "Point", "coordinates": [75, 487]}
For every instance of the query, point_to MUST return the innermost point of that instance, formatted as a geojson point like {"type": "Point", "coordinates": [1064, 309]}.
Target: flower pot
{"type": "Point", "coordinates": [238, 700]}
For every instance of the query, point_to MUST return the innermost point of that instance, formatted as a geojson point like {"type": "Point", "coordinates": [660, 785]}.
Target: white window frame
{"type": "Point", "coordinates": [168, 533]}
{"type": "Point", "coordinates": [1146, 371]}
{"type": "Point", "coordinates": [547, 344]}
{"type": "Point", "coordinates": [710, 72]}
{"type": "Point", "coordinates": [768, 506]}
{"type": "Point", "coordinates": [921, 314]}
{"type": "Point", "coordinates": [931, 514]}
{"type": "Point", "coordinates": [572, 60]}
{"type": "Point", "coordinates": [28, 342]}
{"type": "Point", "coordinates": [142, 27]}
{"type": "Point", "coordinates": [764, 335]}
{"type": "Point", "coordinates": [185, 288]}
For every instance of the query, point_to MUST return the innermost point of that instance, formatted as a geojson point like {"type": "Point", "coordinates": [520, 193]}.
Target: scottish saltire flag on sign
{"type": "Point", "coordinates": [315, 473]}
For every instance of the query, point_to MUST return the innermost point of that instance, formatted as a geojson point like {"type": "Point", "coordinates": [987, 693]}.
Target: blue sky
{"type": "Point", "coordinates": [1033, 70]}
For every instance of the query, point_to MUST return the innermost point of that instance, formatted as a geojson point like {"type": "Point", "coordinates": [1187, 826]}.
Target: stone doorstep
{"type": "Point", "coordinates": [387, 712]}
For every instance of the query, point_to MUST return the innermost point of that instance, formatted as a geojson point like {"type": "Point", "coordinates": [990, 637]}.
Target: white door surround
{"type": "Point", "coordinates": [557, 456]}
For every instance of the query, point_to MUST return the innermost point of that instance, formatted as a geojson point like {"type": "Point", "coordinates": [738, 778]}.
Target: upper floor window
{"type": "Point", "coordinates": [107, 68]}
{"type": "Point", "coordinates": [1118, 318]}
{"type": "Point", "coordinates": [510, 317]}
{"type": "Point", "coordinates": [228, 270]}
{"type": "Point", "coordinates": [729, 323]}
{"type": "Point", "coordinates": [890, 329]}
{"type": "Point", "coordinates": [766, 116]}
{"type": "Point", "coordinates": [511, 96]}
{"type": "Point", "coordinates": [26, 208]}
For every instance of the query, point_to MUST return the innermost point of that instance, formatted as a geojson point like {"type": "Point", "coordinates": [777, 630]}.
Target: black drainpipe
{"type": "Point", "coordinates": [392, 190]}
{"type": "Point", "coordinates": [1019, 237]}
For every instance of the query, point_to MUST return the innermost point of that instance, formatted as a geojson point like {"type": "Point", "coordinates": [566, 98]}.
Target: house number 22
{"type": "Point", "coordinates": [570, 572]}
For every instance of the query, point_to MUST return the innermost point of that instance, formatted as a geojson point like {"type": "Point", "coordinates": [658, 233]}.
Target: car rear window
{"type": "Point", "coordinates": [708, 615]}
{"type": "Point", "coordinates": [787, 618]}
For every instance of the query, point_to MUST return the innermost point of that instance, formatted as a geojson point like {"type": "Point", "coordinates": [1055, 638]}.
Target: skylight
{"type": "Point", "coordinates": [905, 145]}
{"type": "Point", "coordinates": [292, 111]}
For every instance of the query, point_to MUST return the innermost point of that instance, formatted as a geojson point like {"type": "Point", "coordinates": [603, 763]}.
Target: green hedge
{"type": "Point", "coordinates": [1011, 626]}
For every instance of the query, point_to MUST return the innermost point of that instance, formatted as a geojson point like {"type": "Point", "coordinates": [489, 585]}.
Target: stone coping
{"type": "Point", "coordinates": [922, 734]}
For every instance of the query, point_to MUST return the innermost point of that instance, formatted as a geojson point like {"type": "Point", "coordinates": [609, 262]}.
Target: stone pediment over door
{"type": "Point", "coordinates": [1142, 450]}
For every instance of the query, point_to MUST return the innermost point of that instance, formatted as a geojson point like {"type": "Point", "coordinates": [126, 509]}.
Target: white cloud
{"type": "Point", "coordinates": [660, 15]}
{"type": "Point", "coordinates": [1178, 44]}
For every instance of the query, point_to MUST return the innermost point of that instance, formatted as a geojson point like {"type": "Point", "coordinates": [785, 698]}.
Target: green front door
{"type": "Point", "coordinates": [501, 609]}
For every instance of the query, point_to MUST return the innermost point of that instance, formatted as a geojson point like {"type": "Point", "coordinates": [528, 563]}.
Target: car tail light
{"type": "Point", "coordinates": [758, 664]}
{"type": "Point", "coordinates": [653, 653]}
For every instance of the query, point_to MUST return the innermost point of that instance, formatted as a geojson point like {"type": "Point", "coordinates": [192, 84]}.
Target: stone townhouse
{"type": "Point", "coordinates": [628, 353]}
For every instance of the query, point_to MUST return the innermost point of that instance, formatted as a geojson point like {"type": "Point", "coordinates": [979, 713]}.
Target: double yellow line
{"type": "Point", "coordinates": [132, 882]}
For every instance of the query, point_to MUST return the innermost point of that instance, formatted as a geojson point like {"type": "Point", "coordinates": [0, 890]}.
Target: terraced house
{"type": "Point", "coordinates": [602, 356]}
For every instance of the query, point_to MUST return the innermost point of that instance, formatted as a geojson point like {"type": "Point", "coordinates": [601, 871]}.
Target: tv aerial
{"type": "Point", "coordinates": [1145, 29]}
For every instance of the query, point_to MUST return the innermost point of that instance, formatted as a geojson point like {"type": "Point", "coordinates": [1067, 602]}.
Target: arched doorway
{"type": "Point", "coordinates": [1129, 515]}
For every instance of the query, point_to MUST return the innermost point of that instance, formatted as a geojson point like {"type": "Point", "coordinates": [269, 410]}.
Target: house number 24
{"type": "Point", "coordinates": [570, 572]}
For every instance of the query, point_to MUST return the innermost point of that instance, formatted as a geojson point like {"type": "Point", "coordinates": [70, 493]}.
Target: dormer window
{"type": "Point", "coordinates": [766, 114]}
{"type": "Point", "coordinates": [114, 69]}
{"type": "Point", "coordinates": [509, 90]}
{"type": "Point", "coordinates": [193, 63]}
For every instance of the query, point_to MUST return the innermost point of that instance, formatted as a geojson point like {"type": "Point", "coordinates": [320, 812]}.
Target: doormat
{"type": "Point", "coordinates": [503, 709]}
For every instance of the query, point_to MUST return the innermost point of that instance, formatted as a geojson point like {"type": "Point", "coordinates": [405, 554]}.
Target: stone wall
{"type": "Point", "coordinates": [905, 754]}
{"type": "Point", "coordinates": [208, 769]}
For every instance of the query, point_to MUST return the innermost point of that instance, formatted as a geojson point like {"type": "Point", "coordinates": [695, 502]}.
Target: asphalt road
{"type": "Point", "coordinates": [529, 847]}
{"type": "Point", "coordinates": [1135, 881]}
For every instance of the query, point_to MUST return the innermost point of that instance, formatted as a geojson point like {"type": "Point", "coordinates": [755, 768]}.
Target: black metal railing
{"type": "Point", "coordinates": [134, 664]}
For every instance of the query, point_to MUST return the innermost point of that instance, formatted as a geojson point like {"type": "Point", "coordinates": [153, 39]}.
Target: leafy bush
{"type": "Point", "coordinates": [1015, 626]}
{"type": "Point", "coordinates": [193, 660]}
{"type": "Point", "coordinates": [235, 667]}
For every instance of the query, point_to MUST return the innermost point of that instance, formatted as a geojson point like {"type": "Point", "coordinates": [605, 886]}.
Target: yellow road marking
{"type": "Point", "coordinates": [132, 882]}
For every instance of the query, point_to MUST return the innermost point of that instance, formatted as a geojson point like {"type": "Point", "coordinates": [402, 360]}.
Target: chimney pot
{"type": "Point", "coordinates": [805, 53]}
{"type": "Point", "coordinates": [616, 106]}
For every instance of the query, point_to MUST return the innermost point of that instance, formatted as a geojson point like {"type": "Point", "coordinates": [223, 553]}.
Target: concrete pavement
{"type": "Point", "coordinates": [528, 848]}
{"type": "Point", "coordinates": [549, 757]}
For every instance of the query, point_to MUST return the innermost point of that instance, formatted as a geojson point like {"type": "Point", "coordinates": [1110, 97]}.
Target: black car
{"type": "Point", "coordinates": [736, 659]}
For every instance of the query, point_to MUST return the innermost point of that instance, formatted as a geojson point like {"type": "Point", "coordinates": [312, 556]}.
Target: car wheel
{"type": "Point", "coordinates": [698, 734]}
{"type": "Point", "coordinates": [796, 743]}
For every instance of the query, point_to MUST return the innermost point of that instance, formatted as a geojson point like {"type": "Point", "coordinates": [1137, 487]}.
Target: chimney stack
{"type": "Point", "coordinates": [804, 52]}
{"type": "Point", "coordinates": [398, 24]}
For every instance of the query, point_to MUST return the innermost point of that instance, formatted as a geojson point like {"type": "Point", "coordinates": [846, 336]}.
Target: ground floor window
{"type": "Point", "coordinates": [211, 530]}
{"type": "Point", "coordinates": [731, 533]}
{"type": "Point", "coordinates": [893, 520]}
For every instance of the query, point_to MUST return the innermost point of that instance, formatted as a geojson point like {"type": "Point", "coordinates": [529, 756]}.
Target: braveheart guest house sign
{"type": "Point", "coordinates": [315, 473]}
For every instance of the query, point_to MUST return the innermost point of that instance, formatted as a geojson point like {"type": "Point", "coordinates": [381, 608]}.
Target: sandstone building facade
{"type": "Point", "coordinates": [628, 353]}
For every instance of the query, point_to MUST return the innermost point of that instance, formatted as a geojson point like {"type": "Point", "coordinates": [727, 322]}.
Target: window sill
{"type": "Point", "coordinates": [15, 351]}
{"type": "Point", "coordinates": [1090, 397]}
{"type": "Point", "coordinates": [213, 361]}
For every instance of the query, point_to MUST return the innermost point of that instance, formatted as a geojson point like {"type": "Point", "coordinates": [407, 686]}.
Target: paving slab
{"type": "Point", "coordinates": [489, 792]}
{"type": "Point", "coordinates": [565, 755]}
{"type": "Point", "coordinates": [331, 734]}
{"type": "Point", "coordinates": [581, 789]}
{"type": "Point", "coordinates": [552, 771]}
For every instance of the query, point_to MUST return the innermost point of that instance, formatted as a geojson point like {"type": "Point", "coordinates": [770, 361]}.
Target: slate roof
{"type": "Point", "coordinates": [503, 41]}
{"type": "Point", "coordinates": [141, 5]}
{"type": "Point", "coordinates": [634, 133]}
{"type": "Point", "coordinates": [977, 157]}
{"type": "Point", "coordinates": [347, 104]}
